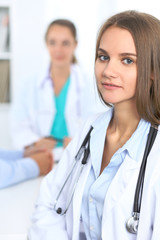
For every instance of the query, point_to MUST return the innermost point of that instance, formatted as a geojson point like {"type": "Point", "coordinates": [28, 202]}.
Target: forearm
{"type": "Point", "coordinates": [15, 171]}
{"type": "Point", "coordinates": [11, 154]}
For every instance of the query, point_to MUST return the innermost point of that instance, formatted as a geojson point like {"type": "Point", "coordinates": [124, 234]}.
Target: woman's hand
{"type": "Point", "coordinates": [66, 141]}
{"type": "Point", "coordinates": [41, 145]}
{"type": "Point", "coordinates": [42, 156]}
{"type": "Point", "coordinates": [44, 161]}
{"type": "Point", "coordinates": [47, 143]}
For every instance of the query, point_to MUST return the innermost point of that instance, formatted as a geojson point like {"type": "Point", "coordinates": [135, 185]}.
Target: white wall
{"type": "Point", "coordinates": [5, 140]}
{"type": "Point", "coordinates": [27, 30]}
{"type": "Point", "coordinates": [147, 6]}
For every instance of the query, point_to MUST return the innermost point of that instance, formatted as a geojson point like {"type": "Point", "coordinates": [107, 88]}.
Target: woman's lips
{"type": "Point", "coordinates": [110, 86]}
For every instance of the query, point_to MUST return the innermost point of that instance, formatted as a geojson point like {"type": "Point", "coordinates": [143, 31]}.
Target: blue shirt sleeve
{"type": "Point", "coordinates": [11, 154]}
{"type": "Point", "coordinates": [16, 170]}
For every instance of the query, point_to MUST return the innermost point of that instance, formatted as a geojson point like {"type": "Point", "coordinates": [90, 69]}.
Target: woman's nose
{"type": "Point", "coordinates": [110, 70]}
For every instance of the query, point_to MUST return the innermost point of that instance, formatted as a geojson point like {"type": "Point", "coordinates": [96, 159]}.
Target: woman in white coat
{"type": "Point", "coordinates": [53, 103]}
{"type": "Point", "coordinates": [98, 203]}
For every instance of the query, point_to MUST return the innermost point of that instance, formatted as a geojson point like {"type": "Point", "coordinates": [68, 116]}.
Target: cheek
{"type": "Point", "coordinates": [51, 51]}
{"type": "Point", "coordinates": [69, 52]}
{"type": "Point", "coordinates": [97, 72]}
{"type": "Point", "coordinates": [132, 77]}
{"type": "Point", "coordinates": [131, 84]}
{"type": "Point", "coordinates": [134, 81]}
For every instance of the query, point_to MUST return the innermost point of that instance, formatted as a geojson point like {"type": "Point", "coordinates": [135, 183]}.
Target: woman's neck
{"type": "Point", "coordinates": [125, 119]}
{"type": "Point", "coordinates": [59, 76]}
{"type": "Point", "coordinates": [60, 73]}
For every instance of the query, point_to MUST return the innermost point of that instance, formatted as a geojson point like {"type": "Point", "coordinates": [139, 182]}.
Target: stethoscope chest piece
{"type": "Point", "coordinates": [132, 223]}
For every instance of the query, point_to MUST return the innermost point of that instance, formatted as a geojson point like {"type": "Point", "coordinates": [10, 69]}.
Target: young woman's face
{"type": "Point", "coordinates": [115, 67]}
{"type": "Point", "coordinates": [61, 45]}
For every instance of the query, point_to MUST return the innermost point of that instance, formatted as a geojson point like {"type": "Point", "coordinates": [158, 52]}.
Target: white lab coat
{"type": "Point", "coordinates": [33, 110]}
{"type": "Point", "coordinates": [118, 204]}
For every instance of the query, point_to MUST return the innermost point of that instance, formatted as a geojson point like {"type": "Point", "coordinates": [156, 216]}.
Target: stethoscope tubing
{"type": "Point", "coordinates": [65, 182]}
{"type": "Point", "coordinates": [82, 147]}
{"type": "Point", "coordinates": [133, 222]}
{"type": "Point", "coordinates": [85, 148]}
{"type": "Point", "coordinates": [73, 189]}
{"type": "Point", "coordinates": [140, 181]}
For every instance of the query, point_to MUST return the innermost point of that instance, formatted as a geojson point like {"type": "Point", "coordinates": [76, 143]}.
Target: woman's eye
{"type": "Point", "coordinates": [66, 43]}
{"type": "Point", "coordinates": [127, 61]}
{"type": "Point", "coordinates": [103, 58]}
{"type": "Point", "coordinates": [51, 42]}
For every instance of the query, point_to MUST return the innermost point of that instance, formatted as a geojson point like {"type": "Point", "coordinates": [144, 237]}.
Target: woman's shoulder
{"type": "Point", "coordinates": [79, 71]}
{"type": "Point", "coordinates": [37, 77]}
{"type": "Point", "coordinates": [96, 119]}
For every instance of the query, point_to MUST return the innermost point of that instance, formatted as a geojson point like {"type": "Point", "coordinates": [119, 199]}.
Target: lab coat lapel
{"type": "Point", "coordinates": [97, 146]}
{"type": "Point", "coordinates": [46, 108]}
{"type": "Point", "coordinates": [72, 106]}
{"type": "Point", "coordinates": [77, 200]}
{"type": "Point", "coordinates": [72, 93]}
{"type": "Point", "coordinates": [95, 151]}
{"type": "Point", "coordinates": [118, 204]}
{"type": "Point", "coordinates": [122, 181]}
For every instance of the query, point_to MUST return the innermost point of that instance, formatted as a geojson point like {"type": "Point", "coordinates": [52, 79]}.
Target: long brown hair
{"type": "Point", "coordinates": [64, 23]}
{"type": "Point", "coordinates": [145, 30]}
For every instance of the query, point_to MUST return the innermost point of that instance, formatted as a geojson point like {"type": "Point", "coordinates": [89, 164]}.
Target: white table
{"type": "Point", "coordinates": [16, 208]}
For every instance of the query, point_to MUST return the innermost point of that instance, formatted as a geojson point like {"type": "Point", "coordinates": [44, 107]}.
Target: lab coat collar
{"type": "Point", "coordinates": [97, 141]}
{"type": "Point", "coordinates": [102, 122]}
{"type": "Point", "coordinates": [125, 173]}
{"type": "Point", "coordinates": [44, 77]}
{"type": "Point", "coordinates": [140, 133]}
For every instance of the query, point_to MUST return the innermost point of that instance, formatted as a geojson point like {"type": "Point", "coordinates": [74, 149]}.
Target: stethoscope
{"type": "Point", "coordinates": [132, 223]}
{"type": "Point", "coordinates": [84, 150]}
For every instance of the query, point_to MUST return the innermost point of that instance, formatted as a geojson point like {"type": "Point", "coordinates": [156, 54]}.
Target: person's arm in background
{"type": "Point", "coordinates": [15, 168]}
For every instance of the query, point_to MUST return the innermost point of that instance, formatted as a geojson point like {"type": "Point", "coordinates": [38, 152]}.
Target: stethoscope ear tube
{"type": "Point", "coordinates": [132, 223]}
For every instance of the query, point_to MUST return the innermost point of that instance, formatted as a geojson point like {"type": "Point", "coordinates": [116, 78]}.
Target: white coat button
{"type": "Point", "coordinates": [90, 199]}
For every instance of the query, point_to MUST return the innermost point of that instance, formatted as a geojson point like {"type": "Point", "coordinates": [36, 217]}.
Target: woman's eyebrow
{"type": "Point", "coordinates": [121, 54]}
{"type": "Point", "coordinates": [128, 54]}
{"type": "Point", "coordinates": [101, 50]}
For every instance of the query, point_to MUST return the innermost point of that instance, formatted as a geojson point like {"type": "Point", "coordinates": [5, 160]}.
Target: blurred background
{"type": "Point", "coordinates": [22, 47]}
